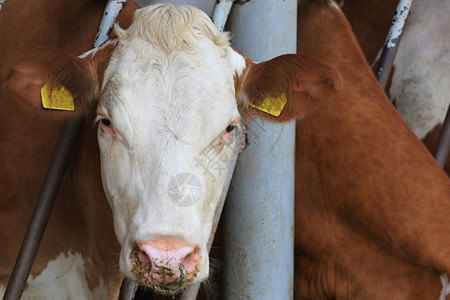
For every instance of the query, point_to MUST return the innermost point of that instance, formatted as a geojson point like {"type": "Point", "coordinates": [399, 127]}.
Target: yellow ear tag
{"type": "Point", "coordinates": [272, 105]}
{"type": "Point", "coordinates": [61, 98]}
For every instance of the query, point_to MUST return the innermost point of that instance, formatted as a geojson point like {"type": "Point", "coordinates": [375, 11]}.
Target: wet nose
{"type": "Point", "coordinates": [161, 261]}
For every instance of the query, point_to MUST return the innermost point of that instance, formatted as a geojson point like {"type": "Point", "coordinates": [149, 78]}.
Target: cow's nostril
{"type": "Point", "coordinates": [190, 261]}
{"type": "Point", "coordinates": [144, 259]}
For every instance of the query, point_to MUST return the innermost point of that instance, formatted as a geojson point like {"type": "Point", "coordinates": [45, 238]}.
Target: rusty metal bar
{"type": "Point", "coordinates": [443, 144]}
{"type": "Point", "coordinates": [55, 174]}
{"type": "Point", "coordinates": [392, 40]}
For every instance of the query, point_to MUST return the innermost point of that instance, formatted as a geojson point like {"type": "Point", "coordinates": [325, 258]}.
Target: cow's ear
{"type": "Point", "coordinates": [287, 87]}
{"type": "Point", "coordinates": [23, 75]}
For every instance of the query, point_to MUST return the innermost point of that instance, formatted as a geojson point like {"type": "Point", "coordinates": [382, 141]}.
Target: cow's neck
{"type": "Point", "coordinates": [384, 199]}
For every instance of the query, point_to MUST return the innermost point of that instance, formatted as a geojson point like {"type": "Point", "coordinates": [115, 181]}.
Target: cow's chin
{"type": "Point", "coordinates": [160, 279]}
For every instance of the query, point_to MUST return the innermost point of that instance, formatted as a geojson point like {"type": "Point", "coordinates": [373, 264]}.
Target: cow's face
{"type": "Point", "coordinates": [168, 123]}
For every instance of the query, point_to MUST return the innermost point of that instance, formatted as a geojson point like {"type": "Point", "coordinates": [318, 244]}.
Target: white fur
{"type": "Point", "coordinates": [237, 61]}
{"type": "Point", "coordinates": [445, 287]}
{"type": "Point", "coordinates": [63, 278]}
{"type": "Point", "coordinates": [421, 79]}
{"type": "Point", "coordinates": [95, 50]}
{"type": "Point", "coordinates": [170, 95]}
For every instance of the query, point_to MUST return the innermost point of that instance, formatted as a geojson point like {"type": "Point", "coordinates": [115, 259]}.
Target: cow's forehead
{"type": "Point", "coordinates": [185, 89]}
{"type": "Point", "coordinates": [172, 87]}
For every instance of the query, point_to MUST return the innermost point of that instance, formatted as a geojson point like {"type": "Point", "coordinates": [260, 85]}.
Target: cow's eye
{"type": "Point", "coordinates": [230, 128]}
{"type": "Point", "coordinates": [106, 122]}
{"type": "Point", "coordinates": [228, 134]}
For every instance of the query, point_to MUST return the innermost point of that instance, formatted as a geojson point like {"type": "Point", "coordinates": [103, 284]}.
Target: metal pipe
{"type": "Point", "coordinates": [1, 3]}
{"type": "Point", "coordinates": [55, 174]}
{"type": "Point", "coordinates": [392, 40]}
{"type": "Point", "coordinates": [206, 6]}
{"type": "Point", "coordinates": [443, 144]}
{"type": "Point", "coordinates": [42, 210]}
{"type": "Point", "coordinates": [259, 210]}
{"type": "Point", "coordinates": [112, 10]}
{"type": "Point", "coordinates": [127, 290]}
{"type": "Point", "coordinates": [221, 12]}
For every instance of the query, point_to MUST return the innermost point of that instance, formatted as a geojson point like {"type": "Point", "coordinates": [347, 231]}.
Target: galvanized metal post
{"type": "Point", "coordinates": [206, 5]}
{"type": "Point", "coordinates": [259, 211]}
{"type": "Point", "coordinates": [392, 41]}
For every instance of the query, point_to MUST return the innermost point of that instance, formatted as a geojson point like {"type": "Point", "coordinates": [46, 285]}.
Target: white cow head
{"type": "Point", "coordinates": [168, 122]}
{"type": "Point", "coordinates": [172, 94]}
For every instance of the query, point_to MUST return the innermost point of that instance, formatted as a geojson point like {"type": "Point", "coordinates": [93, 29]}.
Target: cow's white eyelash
{"type": "Point", "coordinates": [97, 119]}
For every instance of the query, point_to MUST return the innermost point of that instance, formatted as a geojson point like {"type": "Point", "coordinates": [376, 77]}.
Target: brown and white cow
{"type": "Point", "coordinates": [372, 205]}
{"type": "Point", "coordinates": [162, 90]}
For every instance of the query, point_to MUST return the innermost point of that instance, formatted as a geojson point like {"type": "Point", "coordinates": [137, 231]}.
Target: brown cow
{"type": "Point", "coordinates": [372, 205]}
{"type": "Point", "coordinates": [166, 92]}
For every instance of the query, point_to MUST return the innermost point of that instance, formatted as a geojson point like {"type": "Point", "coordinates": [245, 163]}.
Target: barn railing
{"type": "Point", "coordinates": [258, 241]}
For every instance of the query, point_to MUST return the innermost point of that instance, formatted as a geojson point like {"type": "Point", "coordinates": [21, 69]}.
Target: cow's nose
{"type": "Point", "coordinates": [162, 260]}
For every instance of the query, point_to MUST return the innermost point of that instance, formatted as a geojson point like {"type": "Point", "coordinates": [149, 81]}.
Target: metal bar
{"type": "Point", "coordinates": [112, 10]}
{"type": "Point", "coordinates": [392, 40]}
{"type": "Point", "coordinates": [206, 6]}
{"type": "Point", "coordinates": [42, 210]}
{"type": "Point", "coordinates": [443, 144]}
{"type": "Point", "coordinates": [127, 290]}
{"type": "Point", "coordinates": [221, 12]}
{"type": "Point", "coordinates": [55, 174]}
{"type": "Point", "coordinates": [259, 210]}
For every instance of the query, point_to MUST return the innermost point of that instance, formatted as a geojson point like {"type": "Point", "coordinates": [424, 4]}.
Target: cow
{"type": "Point", "coordinates": [419, 80]}
{"type": "Point", "coordinates": [166, 88]}
{"type": "Point", "coordinates": [372, 205]}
